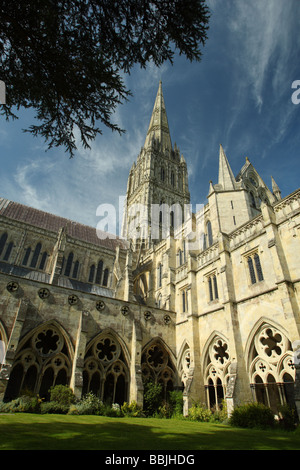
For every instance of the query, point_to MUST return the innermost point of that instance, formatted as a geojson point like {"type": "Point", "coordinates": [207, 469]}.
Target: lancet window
{"type": "Point", "coordinates": [42, 361]}
{"type": "Point", "coordinates": [106, 372]}
{"type": "Point", "coordinates": [217, 363]}
{"type": "Point", "coordinates": [157, 367]}
{"type": "Point", "coordinates": [272, 369]}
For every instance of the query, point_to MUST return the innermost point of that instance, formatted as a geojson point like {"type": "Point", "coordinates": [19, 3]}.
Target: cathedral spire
{"type": "Point", "coordinates": [226, 177]}
{"type": "Point", "coordinates": [159, 127]}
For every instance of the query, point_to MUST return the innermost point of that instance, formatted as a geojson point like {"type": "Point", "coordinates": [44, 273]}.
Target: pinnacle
{"type": "Point", "coordinates": [226, 177]}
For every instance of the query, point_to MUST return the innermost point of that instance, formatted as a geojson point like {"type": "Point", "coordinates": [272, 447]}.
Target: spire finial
{"type": "Point", "coordinates": [159, 127]}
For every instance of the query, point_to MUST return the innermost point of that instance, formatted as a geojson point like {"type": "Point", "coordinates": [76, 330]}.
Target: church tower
{"type": "Point", "coordinates": [157, 188]}
{"type": "Point", "coordinates": [233, 201]}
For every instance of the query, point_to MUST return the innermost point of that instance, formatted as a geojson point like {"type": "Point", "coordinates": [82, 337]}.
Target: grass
{"type": "Point", "coordinates": [24, 431]}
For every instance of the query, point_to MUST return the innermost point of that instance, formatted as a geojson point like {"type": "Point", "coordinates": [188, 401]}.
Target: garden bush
{"type": "Point", "coordinates": [199, 412]}
{"type": "Point", "coordinates": [23, 404]}
{"type": "Point", "coordinates": [53, 407]}
{"type": "Point", "coordinates": [152, 398]}
{"type": "Point", "coordinates": [88, 405]}
{"type": "Point", "coordinates": [288, 419]}
{"type": "Point", "coordinates": [252, 415]}
{"type": "Point", "coordinates": [132, 410]}
{"type": "Point", "coordinates": [62, 394]}
{"type": "Point", "coordinates": [176, 403]}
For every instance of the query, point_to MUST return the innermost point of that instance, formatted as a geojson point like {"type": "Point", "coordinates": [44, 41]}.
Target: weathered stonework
{"type": "Point", "coordinates": [218, 319]}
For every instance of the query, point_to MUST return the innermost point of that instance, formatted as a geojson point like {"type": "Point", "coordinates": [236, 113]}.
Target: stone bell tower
{"type": "Point", "coordinates": [157, 186]}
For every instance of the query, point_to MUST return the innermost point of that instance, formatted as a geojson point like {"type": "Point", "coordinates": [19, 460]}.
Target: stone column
{"type": "Point", "coordinates": [13, 345]}
{"type": "Point", "coordinates": [296, 349]}
{"type": "Point", "coordinates": [230, 388]}
{"type": "Point", "coordinates": [136, 382]}
{"type": "Point", "coordinates": [78, 362]}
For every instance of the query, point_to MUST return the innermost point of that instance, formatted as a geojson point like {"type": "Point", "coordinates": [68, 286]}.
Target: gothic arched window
{"type": "Point", "coordinates": [271, 368]}
{"type": "Point", "coordinates": [35, 255]}
{"type": "Point", "coordinates": [92, 273]}
{"type": "Point", "coordinates": [42, 361]}
{"type": "Point", "coordinates": [105, 277]}
{"type": "Point", "coordinates": [157, 367]}
{"type": "Point", "coordinates": [213, 287]}
{"type": "Point", "coordinates": [252, 199]}
{"type": "Point", "coordinates": [2, 242]}
{"type": "Point", "coordinates": [75, 270]}
{"type": "Point", "coordinates": [99, 272]}
{"type": "Point", "coordinates": [69, 264]}
{"type": "Point", "coordinates": [209, 233]}
{"type": "Point", "coordinates": [106, 372]}
{"type": "Point", "coordinates": [255, 270]}
{"type": "Point", "coordinates": [172, 178]}
{"type": "Point", "coordinates": [216, 370]}
{"type": "Point", "coordinates": [26, 256]}
{"type": "Point", "coordinates": [43, 260]}
{"type": "Point", "coordinates": [159, 275]}
{"type": "Point", "coordinates": [8, 251]}
{"type": "Point", "coordinates": [180, 257]}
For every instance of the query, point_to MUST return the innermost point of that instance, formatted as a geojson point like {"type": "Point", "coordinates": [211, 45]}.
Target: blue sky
{"type": "Point", "coordinates": [239, 95]}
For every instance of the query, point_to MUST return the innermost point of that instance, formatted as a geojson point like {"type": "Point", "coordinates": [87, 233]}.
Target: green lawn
{"type": "Point", "coordinates": [49, 432]}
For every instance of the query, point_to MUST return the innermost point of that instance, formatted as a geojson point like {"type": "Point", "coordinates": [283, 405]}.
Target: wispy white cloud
{"type": "Point", "coordinates": [262, 42]}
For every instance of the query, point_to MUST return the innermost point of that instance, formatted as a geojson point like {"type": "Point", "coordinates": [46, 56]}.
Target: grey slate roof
{"type": "Point", "coordinates": [51, 222]}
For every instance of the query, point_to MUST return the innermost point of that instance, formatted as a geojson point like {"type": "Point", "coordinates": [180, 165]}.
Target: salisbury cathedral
{"type": "Point", "coordinates": [205, 302]}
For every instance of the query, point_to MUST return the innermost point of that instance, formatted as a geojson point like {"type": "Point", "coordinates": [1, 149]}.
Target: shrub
{"type": "Point", "coordinates": [31, 404]}
{"type": "Point", "coordinates": [164, 411]}
{"type": "Point", "coordinates": [220, 416]}
{"type": "Point", "coordinates": [53, 407]}
{"type": "Point", "coordinates": [252, 415]}
{"type": "Point", "coordinates": [113, 411]}
{"type": "Point", "coordinates": [152, 398]}
{"type": "Point", "coordinates": [199, 412]}
{"type": "Point", "coordinates": [90, 404]}
{"type": "Point", "coordinates": [23, 404]}
{"type": "Point", "coordinates": [176, 403]}
{"type": "Point", "coordinates": [132, 409]}
{"type": "Point", "coordinates": [62, 394]}
{"type": "Point", "coordinates": [287, 417]}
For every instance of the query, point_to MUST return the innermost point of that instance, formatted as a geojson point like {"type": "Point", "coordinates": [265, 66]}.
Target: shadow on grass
{"type": "Point", "coordinates": [55, 432]}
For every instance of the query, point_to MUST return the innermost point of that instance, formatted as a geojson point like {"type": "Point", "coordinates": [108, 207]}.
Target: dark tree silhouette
{"type": "Point", "coordinates": [66, 58]}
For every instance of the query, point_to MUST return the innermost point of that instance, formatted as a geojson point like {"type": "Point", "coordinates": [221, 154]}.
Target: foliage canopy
{"type": "Point", "coordinates": [66, 59]}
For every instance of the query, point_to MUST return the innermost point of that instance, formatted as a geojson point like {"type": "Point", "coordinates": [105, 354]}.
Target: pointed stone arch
{"type": "Point", "coordinates": [256, 327]}
{"type": "Point", "coordinates": [106, 368]}
{"type": "Point", "coordinates": [270, 365]}
{"type": "Point", "coordinates": [216, 361]}
{"type": "Point", "coordinates": [185, 364]}
{"type": "Point", "coordinates": [43, 359]}
{"type": "Point", "coordinates": [158, 365]}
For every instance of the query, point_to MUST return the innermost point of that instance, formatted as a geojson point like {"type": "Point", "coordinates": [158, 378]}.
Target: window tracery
{"type": "Point", "coordinates": [106, 372]}
{"type": "Point", "coordinates": [185, 367]}
{"type": "Point", "coordinates": [272, 369]}
{"type": "Point", "coordinates": [43, 361]}
{"type": "Point", "coordinates": [216, 371]}
{"type": "Point", "coordinates": [157, 367]}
